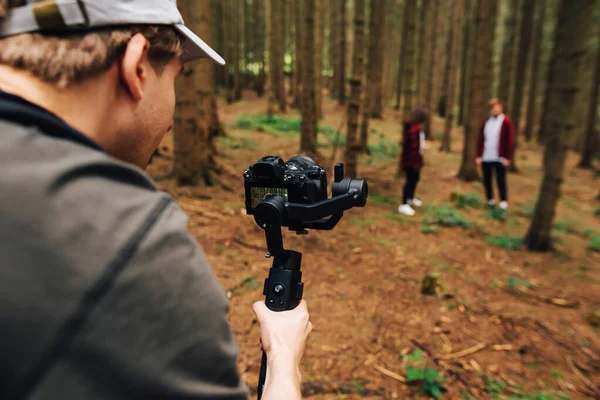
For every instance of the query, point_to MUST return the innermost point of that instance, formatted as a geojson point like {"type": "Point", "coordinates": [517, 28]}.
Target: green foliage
{"type": "Point", "coordinates": [250, 283]}
{"type": "Point", "coordinates": [380, 198]}
{"type": "Point", "coordinates": [399, 218]}
{"type": "Point", "coordinates": [494, 387]}
{"type": "Point", "coordinates": [506, 242]}
{"type": "Point", "coordinates": [445, 216]}
{"type": "Point", "coordinates": [238, 143]}
{"type": "Point", "coordinates": [540, 396]}
{"type": "Point", "coordinates": [594, 243]}
{"type": "Point", "coordinates": [279, 126]}
{"type": "Point", "coordinates": [589, 232]}
{"type": "Point", "coordinates": [597, 213]}
{"type": "Point", "coordinates": [362, 222]}
{"type": "Point", "coordinates": [430, 378]}
{"type": "Point", "coordinates": [496, 214]}
{"type": "Point", "coordinates": [526, 210]}
{"type": "Point", "coordinates": [464, 200]}
{"type": "Point", "coordinates": [516, 283]}
{"type": "Point", "coordinates": [564, 227]}
{"type": "Point", "coordinates": [360, 389]}
{"type": "Point", "coordinates": [384, 150]}
{"type": "Point", "coordinates": [429, 229]}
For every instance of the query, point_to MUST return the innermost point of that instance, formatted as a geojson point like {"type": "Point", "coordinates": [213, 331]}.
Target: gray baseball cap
{"type": "Point", "coordinates": [56, 15]}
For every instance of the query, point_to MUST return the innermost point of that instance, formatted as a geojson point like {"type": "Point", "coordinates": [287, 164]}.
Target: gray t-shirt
{"type": "Point", "coordinates": [103, 293]}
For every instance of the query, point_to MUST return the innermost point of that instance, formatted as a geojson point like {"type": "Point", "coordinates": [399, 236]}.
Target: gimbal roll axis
{"type": "Point", "coordinates": [283, 289]}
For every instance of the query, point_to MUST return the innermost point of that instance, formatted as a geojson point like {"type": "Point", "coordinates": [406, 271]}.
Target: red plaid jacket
{"type": "Point", "coordinates": [411, 147]}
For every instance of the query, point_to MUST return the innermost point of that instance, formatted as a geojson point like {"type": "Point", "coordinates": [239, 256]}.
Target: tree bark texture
{"type": "Point", "coordinates": [466, 57]}
{"type": "Point", "coordinates": [236, 44]}
{"type": "Point", "coordinates": [421, 52]}
{"type": "Point", "coordinates": [575, 27]}
{"type": "Point", "coordinates": [352, 142]}
{"type": "Point", "coordinates": [525, 31]}
{"type": "Point", "coordinates": [319, 40]}
{"type": "Point", "coordinates": [591, 134]}
{"type": "Point", "coordinates": [507, 61]}
{"type": "Point", "coordinates": [453, 55]}
{"type": "Point", "coordinates": [196, 107]}
{"type": "Point", "coordinates": [533, 97]}
{"type": "Point", "coordinates": [431, 78]}
{"type": "Point", "coordinates": [410, 59]}
{"type": "Point", "coordinates": [402, 56]}
{"type": "Point", "coordinates": [377, 31]}
{"type": "Point", "coordinates": [481, 81]}
{"type": "Point", "coordinates": [298, 63]}
{"type": "Point", "coordinates": [341, 71]}
{"type": "Point", "coordinates": [308, 107]}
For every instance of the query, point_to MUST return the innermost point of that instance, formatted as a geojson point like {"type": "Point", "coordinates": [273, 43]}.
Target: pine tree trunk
{"type": "Point", "coordinates": [466, 52]}
{"type": "Point", "coordinates": [260, 32]}
{"type": "Point", "coordinates": [402, 58]}
{"type": "Point", "coordinates": [375, 27]}
{"type": "Point", "coordinates": [420, 52]}
{"type": "Point", "coordinates": [508, 55]}
{"type": "Point", "coordinates": [480, 86]}
{"type": "Point", "coordinates": [236, 61]}
{"type": "Point", "coordinates": [411, 58]}
{"type": "Point", "coordinates": [427, 60]}
{"type": "Point", "coordinates": [431, 78]}
{"type": "Point", "coordinates": [591, 135]}
{"type": "Point", "coordinates": [532, 100]}
{"type": "Point", "coordinates": [227, 35]}
{"type": "Point", "coordinates": [319, 56]}
{"type": "Point", "coordinates": [525, 32]}
{"type": "Point", "coordinates": [378, 32]}
{"type": "Point", "coordinates": [297, 15]}
{"type": "Point", "coordinates": [308, 107]}
{"type": "Point", "coordinates": [280, 25]}
{"type": "Point", "coordinates": [272, 85]}
{"type": "Point", "coordinates": [352, 143]}
{"type": "Point", "coordinates": [292, 9]}
{"type": "Point", "coordinates": [341, 94]}
{"type": "Point", "coordinates": [194, 148]}
{"type": "Point", "coordinates": [334, 48]}
{"type": "Point", "coordinates": [453, 54]}
{"type": "Point", "coordinates": [575, 27]}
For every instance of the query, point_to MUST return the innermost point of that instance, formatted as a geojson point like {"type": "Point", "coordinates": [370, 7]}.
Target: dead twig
{"type": "Point", "coordinates": [502, 347]}
{"type": "Point", "coordinates": [463, 353]}
{"type": "Point", "coordinates": [247, 245]}
{"type": "Point", "coordinates": [585, 380]}
{"type": "Point", "coordinates": [389, 373]}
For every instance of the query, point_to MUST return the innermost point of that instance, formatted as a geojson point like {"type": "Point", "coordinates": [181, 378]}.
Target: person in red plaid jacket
{"type": "Point", "coordinates": [413, 144]}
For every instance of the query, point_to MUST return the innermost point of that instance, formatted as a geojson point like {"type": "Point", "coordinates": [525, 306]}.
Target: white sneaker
{"type": "Point", "coordinates": [504, 205]}
{"type": "Point", "coordinates": [407, 210]}
{"type": "Point", "coordinates": [491, 203]}
{"type": "Point", "coordinates": [415, 203]}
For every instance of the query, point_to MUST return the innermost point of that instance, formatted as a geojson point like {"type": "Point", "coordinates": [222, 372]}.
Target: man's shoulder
{"type": "Point", "coordinates": [65, 194]}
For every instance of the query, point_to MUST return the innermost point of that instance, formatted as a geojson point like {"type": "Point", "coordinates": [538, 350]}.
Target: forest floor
{"type": "Point", "coordinates": [505, 323]}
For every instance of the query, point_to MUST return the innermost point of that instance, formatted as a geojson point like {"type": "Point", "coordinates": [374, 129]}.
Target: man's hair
{"type": "Point", "coordinates": [67, 58]}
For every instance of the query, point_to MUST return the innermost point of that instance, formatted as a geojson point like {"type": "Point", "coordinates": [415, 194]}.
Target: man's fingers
{"type": "Point", "coordinates": [260, 309]}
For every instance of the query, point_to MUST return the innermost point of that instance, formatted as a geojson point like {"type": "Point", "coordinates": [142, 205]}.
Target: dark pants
{"type": "Point", "coordinates": [413, 175]}
{"type": "Point", "coordinates": [488, 171]}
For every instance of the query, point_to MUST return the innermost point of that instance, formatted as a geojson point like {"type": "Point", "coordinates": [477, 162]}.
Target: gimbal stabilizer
{"type": "Point", "coordinates": [283, 288]}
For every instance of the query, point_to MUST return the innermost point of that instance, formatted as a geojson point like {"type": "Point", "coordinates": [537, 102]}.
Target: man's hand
{"type": "Point", "coordinates": [478, 160]}
{"type": "Point", "coordinates": [283, 338]}
{"type": "Point", "coordinates": [506, 163]}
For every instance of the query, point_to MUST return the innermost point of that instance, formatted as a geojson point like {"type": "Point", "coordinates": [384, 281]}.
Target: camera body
{"type": "Point", "coordinates": [300, 180]}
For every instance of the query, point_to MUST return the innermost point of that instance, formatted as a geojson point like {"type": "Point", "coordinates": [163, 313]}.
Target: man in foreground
{"type": "Point", "coordinates": [103, 293]}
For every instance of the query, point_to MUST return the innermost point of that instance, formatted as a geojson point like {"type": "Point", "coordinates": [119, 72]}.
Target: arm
{"type": "Point", "coordinates": [283, 337]}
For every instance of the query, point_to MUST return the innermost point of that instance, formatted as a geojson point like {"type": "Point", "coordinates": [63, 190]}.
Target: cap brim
{"type": "Point", "coordinates": [195, 48]}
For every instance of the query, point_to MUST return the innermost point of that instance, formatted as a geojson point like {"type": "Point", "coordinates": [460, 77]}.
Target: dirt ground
{"type": "Point", "coordinates": [505, 324]}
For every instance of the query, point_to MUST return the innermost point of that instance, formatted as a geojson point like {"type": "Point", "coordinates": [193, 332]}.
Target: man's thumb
{"type": "Point", "coordinates": [260, 309]}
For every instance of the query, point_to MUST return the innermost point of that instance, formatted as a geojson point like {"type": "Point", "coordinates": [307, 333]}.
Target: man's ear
{"type": "Point", "coordinates": [133, 69]}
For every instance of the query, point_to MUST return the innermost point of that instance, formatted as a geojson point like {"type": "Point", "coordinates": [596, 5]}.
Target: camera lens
{"type": "Point", "coordinates": [278, 289]}
{"type": "Point", "coordinates": [301, 163]}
